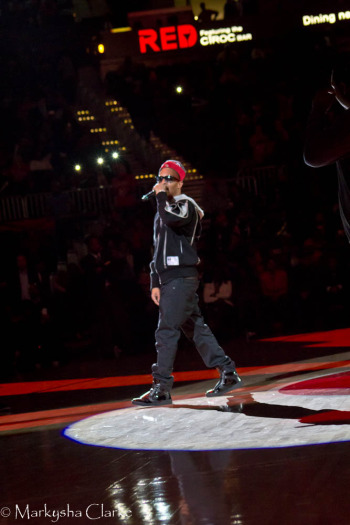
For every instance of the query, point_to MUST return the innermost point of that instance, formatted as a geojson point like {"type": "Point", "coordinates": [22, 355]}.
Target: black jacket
{"type": "Point", "coordinates": [176, 228]}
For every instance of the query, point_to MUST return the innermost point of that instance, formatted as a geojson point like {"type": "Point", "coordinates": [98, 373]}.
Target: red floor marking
{"type": "Point", "coordinates": [327, 418]}
{"type": "Point", "coordinates": [60, 415]}
{"type": "Point", "coordinates": [31, 387]}
{"type": "Point", "coordinates": [332, 384]}
{"type": "Point", "coordinates": [333, 338]}
{"type": "Point", "coordinates": [63, 385]}
{"type": "Point", "coordinates": [292, 367]}
{"type": "Point", "coordinates": [66, 415]}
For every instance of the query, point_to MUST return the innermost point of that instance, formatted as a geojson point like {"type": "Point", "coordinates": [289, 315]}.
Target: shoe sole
{"type": "Point", "coordinates": [223, 392]}
{"type": "Point", "coordinates": [141, 404]}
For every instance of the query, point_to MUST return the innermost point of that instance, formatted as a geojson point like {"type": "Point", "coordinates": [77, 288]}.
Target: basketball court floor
{"type": "Point", "coordinates": [276, 451]}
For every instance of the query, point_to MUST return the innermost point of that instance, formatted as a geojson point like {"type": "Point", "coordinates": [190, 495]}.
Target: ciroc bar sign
{"type": "Point", "coordinates": [186, 35]}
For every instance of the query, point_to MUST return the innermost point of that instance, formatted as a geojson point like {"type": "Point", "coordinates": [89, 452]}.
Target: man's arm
{"type": "Point", "coordinates": [175, 214]}
{"type": "Point", "coordinates": [154, 276]}
{"type": "Point", "coordinates": [326, 142]}
{"type": "Point", "coordinates": [155, 294]}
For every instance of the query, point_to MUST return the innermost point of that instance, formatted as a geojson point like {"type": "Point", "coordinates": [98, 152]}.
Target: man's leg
{"type": "Point", "coordinates": [211, 352]}
{"type": "Point", "coordinates": [206, 343]}
{"type": "Point", "coordinates": [175, 307]}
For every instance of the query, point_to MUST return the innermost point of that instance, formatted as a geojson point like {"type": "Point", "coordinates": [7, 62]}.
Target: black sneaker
{"type": "Point", "coordinates": [229, 380]}
{"type": "Point", "coordinates": [157, 396]}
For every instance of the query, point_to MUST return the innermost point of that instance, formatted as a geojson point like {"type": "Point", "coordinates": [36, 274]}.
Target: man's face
{"type": "Point", "coordinates": [171, 182]}
{"type": "Point", "coordinates": [341, 92]}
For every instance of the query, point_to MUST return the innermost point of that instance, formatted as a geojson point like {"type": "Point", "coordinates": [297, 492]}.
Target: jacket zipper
{"type": "Point", "coordinates": [195, 228]}
{"type": "Point", "coordinates": [164, 249]}
{"type": "Point", "coordinates": [156, 252]}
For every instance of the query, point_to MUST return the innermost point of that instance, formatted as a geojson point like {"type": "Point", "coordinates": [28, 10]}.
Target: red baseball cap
{"type": "Point", "coordinates": [176, 166]}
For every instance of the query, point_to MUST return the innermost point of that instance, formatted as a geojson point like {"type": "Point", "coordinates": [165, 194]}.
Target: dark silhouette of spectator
{"type": "Point", "coordinates": [148, 313]}
{"type": "Point", "coordinates": [217, 298]}
{"type": "Point", "coordinates": [220, 231]}
{"type": "Point", "coordinates": [60, 209]}
{"type": "Point", "coordinates": [49, 348]}
{"type": "Point", "coordinates": [22, 282]}
{"type": "Point", "coordinates": [25, 335]}
{"type": "Point", "coordinates": [124, 188]}
{"type": "Point", "coordinates": [335, 293]}
{"type": "Point", "coordinates": [42, 283]}
{"type": "Point", "coordinates": [119, 266]}
{"type": "Point", "coordinates": [139, 245]}
{"type": "Point", "coordinates": [96, 311]}
{"type": "Point", "coordinates": [8, 350]}
{"type": "Point", "coordinates": [41, 172]}
{"type": "Point", "coordinates": [206, 15]}
{"type": "Point", "coordinates": [274, 289]}
{"type": "Point", "coordinates": [262, 146]}
{"type": "Point", "coordinates": [68, 300]}
{"type": "Point", "coordinates": [305, 289]}
{"type": "Point", "coordinates": [17, 173]}
{"type": "Point", "coordinates": [75, 298]}
{"type": "Point", "coordinates": [34, 341]}
{"type": "Point", "coordinates": [247, 299]}
{"type": "Point", "coordinates": [125, 299]}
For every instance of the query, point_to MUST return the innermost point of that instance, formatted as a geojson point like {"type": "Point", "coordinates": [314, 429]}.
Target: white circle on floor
{"type": "Point", "coordinates": [244, 421]}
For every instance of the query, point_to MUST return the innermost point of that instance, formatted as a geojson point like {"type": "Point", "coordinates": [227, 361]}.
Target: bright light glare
{"type": "Point", "coordinates": [77, 167]}
{"type": "Point", "coordinates": [101, 48]}
{"type": "Point", "coordinates": [179, 89]}
{"type": "Point", "coordinates": [115, 155]}
{"type": "Point", "coordinates": [100, 160]}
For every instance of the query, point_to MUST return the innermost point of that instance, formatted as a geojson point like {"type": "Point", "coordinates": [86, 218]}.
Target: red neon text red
{"type": "Point", "coordinates": [167, 38]}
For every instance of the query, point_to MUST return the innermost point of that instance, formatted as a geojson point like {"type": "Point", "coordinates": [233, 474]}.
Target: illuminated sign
{"type": "Point", "coordinates": [186, 35]}
{"type": "Point", "coordinates": [328, 18]}
{"type": "Point", "coordinates": [223, 35]}
{"type": "Point", "coordinates": [168, 38]}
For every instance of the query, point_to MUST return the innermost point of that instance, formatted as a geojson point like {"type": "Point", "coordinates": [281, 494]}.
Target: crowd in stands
{"type": "Point", "coordinates": [273, 261]}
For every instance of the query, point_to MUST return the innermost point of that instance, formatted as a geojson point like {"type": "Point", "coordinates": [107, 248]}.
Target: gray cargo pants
{"type": "Point", "coordinates": [179, 310]}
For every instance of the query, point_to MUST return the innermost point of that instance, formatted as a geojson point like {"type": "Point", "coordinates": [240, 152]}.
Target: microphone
{"type": "Point", "coordinates": [148, 195]}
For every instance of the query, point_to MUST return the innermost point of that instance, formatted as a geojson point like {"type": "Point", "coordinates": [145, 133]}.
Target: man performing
{"type": "Point", "coordinates": [327, 140]}
{"type": "Point", "coordinates": [174, 283]}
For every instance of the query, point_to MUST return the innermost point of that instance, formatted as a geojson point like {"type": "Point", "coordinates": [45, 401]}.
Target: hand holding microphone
{"type": "Point", "coordinates": [156, 189]}
{"type": "Point", "coordinates": [148, 195]}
